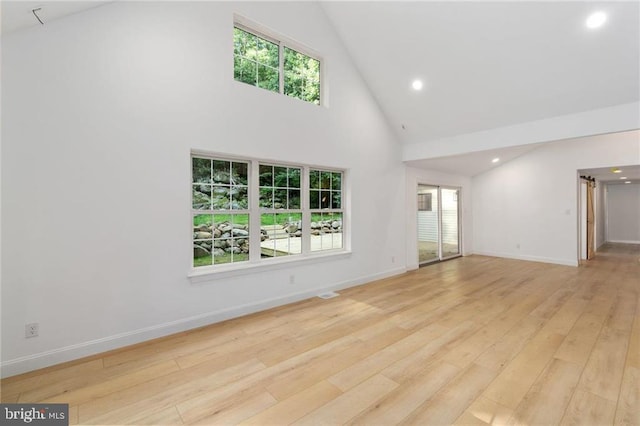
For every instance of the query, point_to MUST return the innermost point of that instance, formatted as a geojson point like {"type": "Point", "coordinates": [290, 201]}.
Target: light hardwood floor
{"type": "Point", "coordinates": [475, 340]}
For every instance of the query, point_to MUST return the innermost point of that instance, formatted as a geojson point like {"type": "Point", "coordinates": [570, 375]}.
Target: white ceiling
{"type": "Point", "coordinates": [473, 163]}
{"type": "Point", "coordinates": [489, 64]}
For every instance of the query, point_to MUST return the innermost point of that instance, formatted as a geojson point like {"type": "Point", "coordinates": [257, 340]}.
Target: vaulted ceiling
{"type": "Point", "coordinates": [490, 64]}
{"type": "Point", "coordinates": [484, 65]}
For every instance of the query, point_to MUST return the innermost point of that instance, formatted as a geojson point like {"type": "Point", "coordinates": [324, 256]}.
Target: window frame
{"type": "Point", "coordinates": [283, 42]}
{"type": "Point", "coordinates": [255, 261]}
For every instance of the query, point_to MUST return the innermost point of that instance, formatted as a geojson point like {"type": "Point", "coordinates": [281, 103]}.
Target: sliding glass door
{"type": "Point", "coordinates": [450, 214]}
{"type": "Point", "coordinates": [438, 223]}
{"type": "Point", "coordinates": [428, 224]}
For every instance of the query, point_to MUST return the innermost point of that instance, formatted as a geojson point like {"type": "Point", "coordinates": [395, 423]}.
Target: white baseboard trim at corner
{"type": "Point", "coordinates": [73, 352]}
{"type": "Point", "coordinates": [529, 258]}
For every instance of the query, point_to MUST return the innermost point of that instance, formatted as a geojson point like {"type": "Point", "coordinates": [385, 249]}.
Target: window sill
{"type": "Point", "coordinates": [205, 274]}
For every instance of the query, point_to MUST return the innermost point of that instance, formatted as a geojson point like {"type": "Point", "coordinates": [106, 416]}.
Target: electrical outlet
{"type": "Point", "coordinates": [31, 330]}
{"type": "Point", "coordinates": [292, 279]}
{"type": "Point", "coordinates": [393, 259]}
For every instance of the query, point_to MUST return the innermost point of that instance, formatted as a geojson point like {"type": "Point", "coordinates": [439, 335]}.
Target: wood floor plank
{"type": "Point", "coordinates": [633, 354]}
{"type": "Point", "coordinates": [394, 406]}
{"type": "Point", "coordinates": [628, 412]}
{"type": "Point", "coordinates": [237, 411]}
{"type": "Point", "coordinates": [448, 404]}
{"type": "Point", "coordinates": [296, 406]}
{"type": "Point", "coordinates": [160, 394]}
{"type": "Point", "coordinates": [296, 380]}
{"type": "Point", "coordinates": [475, 340]}
{"type": "Point", "coordinates": [405, 369]}
{"type": "Point", "coordinates": [373, 364]}
{"type": "Point", "coordinates": [484, 411]}
{"type": "Point", "coordinates": [622, 313]}
{"type": "Point", "coordinates": [603, 373]}
{"type": "Point", "coordinates": [581, 339]}
{"type": "Point", "coordinates": [88, 393]}
{"type": "Point", "coordinates": [586, 408]}
{"type": "Point", "coordinates": [498, 355]}
{"type": "Point", "coordinates": [548, 398]}
{"type": "Point", "coordinates": [514, 381]}
{"type": "Point", "coordinates": [351, 403]}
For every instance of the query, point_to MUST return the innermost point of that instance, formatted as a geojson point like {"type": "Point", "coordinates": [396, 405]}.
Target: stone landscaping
{"type": "Point", "coordinates": [225, 238]}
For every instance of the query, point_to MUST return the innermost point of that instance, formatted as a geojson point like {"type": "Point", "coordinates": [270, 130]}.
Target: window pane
{"type": "Point", "coordinates": [244, 43]}
{"type": "Point", "coordinates": [294, 177]}
{"type": "Point", "coordinates": [221, 199]}
{"type": "Point", "coordinates": [336, 201]}
{"type": "Point", "coordinates": [293, 85]}
{"type": "Point", "coordinates": [326, 231]}
{"type": "Point", "coordinates": [239, 47]}
{"type": "Point", "coordinates": [280, 177]}
{"type": "Point", "coordinates": [336, 180]}
{"type": "Point", "coordinates": [294, 198]}
{"type": "Point", "coordinates": [301, 76]}
{"type": "Point", "coordinates": [325, 180]}
{"type": "Point", "coordinates": [230, 238]}
{"type": "Point", "coordinates": [201, 197]}
{"type": "Point", "coordinates": [314, 199]}
{"type": "Point", "coordinates": [266, 197]}
{"type": "Point", "coordinates": [245, 70]}
{"type": "Point", "coordinates": [268, 78]}
{"type": "Point", "coordinates": [240, 172]}
{"type": "Point", "coordinates": [221, 172]}
{"type": "Point", "coordinates": [325, 199]}
{"type": "Point", "coordinates": [279, 198]}
{"type": "Point", "coordinates": [201, 170]}
{"type": "Point", "coordinates": [268, 53]}
{"type": "Point", "coordinates": [281, 234]}
{"type": "Point", "coordinates": [314, 179]}
{"type": "Point", "coordinates": [239, 198]}
{"type": "Point", "coordinates": [266, 175]}
{"type": "Point", "coordinates": [202, 240]}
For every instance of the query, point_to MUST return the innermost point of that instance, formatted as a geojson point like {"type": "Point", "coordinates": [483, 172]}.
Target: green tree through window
{"type": "Point", "coordinates": [256, 61]}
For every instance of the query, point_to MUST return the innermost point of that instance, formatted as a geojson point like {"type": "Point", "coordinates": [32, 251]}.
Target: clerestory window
{"type": "Point", "coordinates": [271, 64]}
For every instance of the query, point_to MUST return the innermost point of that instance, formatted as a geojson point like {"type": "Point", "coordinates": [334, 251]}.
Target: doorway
{"type": "Point", "coordinates": [438, 223]}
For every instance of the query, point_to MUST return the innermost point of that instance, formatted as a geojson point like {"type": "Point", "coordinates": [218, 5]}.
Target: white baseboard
{"type": "Point", "coordinates": [623, 241]}
{"type": "Point", "coordinates": [565, 262]}
{"type": "Point", "coordinates": [69, 353]}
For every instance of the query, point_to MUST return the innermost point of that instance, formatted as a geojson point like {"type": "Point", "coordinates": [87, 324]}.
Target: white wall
{"type": "Point", "coordinates": [431, 177]}
{"type": "Point", "coordinates": [100, 112]}
{"type": "Point", "coordinates": [527, 208]}
{"type": "Point", "coordinates": [623, 213]}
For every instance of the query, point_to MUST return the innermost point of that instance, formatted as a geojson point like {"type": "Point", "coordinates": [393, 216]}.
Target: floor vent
{"type": "Point", "coordinates": [328, 295]}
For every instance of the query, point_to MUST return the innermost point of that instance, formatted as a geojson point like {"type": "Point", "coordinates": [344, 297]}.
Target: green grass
{"type": "Point", "coordinates": [226, 258]}
{"type": "Point", "coordinates": [266, 219]}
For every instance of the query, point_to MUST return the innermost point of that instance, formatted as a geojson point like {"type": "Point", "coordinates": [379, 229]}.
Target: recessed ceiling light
{"type": "Point", "coordinates": [596, 20]}
{"type": "Point", "coordinates": [616, 170]}
{"type": "Point", "coordinates": [495, 160]}
{"type": "Point", "coordinates": [623, 177]}
{"type": "Point", "coordinates": [417, 84]}
{"type": "Point", "coordinates": [628, 181]}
